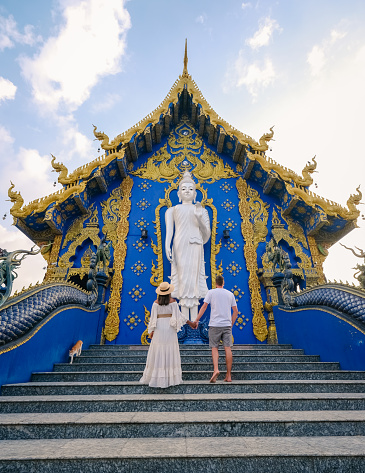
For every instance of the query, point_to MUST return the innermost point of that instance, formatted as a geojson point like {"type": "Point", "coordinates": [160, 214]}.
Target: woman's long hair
{"type": "Point", "coordinates": [163, 299]}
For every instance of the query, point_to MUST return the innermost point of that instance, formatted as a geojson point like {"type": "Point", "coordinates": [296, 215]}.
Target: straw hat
{"type": "Point", "coordinates": [164, 288]}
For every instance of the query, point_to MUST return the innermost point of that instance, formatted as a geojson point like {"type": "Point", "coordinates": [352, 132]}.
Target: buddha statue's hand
{"type": "Point", "coordinates": [168, 254]}
{"type": "Point", "coordinates": [198, 210]}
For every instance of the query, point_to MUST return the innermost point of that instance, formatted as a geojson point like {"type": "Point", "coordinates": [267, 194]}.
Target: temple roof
{"type": "Point", "coordinates": [43, 218]}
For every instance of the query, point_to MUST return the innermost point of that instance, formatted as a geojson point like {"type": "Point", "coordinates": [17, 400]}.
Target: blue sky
{"type": "Point", "coordinates": [68, 64]}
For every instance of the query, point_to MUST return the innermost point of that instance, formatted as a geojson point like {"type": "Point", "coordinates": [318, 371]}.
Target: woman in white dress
{"type": "Point", "coordinates": [163, 365]}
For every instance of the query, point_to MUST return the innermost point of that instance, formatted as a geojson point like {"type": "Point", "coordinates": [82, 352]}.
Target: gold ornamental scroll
{"type": "Point", "coordinates": [258, 321]}
{"type": "Point", "coordinates": [55, 250]}
{"type": "Point", "coordinates": [111, 328]}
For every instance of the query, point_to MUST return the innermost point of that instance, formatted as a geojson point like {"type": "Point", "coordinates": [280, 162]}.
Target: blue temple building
{"type": "Point", "coordinates": [255, 205]}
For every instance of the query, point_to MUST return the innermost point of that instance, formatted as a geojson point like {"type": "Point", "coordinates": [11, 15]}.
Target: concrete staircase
{"type": "Point", "coordinates": [284, 411]}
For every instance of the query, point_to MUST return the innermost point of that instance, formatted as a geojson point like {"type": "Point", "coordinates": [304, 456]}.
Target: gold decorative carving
{"type": "Point", "coordinates": [132, 320]}
{"type": "Point", "coordinates": [40, 205]}
{"type": "Point", "coordinates": [187, 145]}
{"type": "Point", "coordinates": [111, 328]}
{"type": "Point", "coordinates": [111, 209]}
{"type": "Point", "coordinates": [330, 208]}
{"type": "Point", "coordinates": [55, 250]}
{"type": "Point", "coordinates": [145, 339]}
{"type": "Point", "coordinates": [157, 271]}
{"type": "Point", "coordinates": [248, 209]}
{"type": "Point", "coordinates": [295, 230]}
{"type": "Point", "coordinates": [231, 245]}
{"type": "Point", "coordinates": [137, 293]}
{"type": "Point", "coordinates": [272, 338]}
{"type": "Point", "coordinates": [84, 171]}
{"type": "Point", "coordinates": [80, 231]}
{"type": "Point", "coordinates": [269, 165]}
{"type": "Point", "coordinates": [279, 232]}
{"type": "Point", "coordinates": [241, 321]}
{"type": "Point", "coordinates": [319, 254]}
{"type": "Point", "coordinates": [233, 268]}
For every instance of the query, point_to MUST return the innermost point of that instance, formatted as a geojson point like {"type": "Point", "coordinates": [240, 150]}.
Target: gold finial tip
{"type": "Point", "coordinates": [185, 71]}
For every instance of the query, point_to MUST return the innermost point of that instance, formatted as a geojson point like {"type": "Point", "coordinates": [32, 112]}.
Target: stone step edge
{"type": "Point", "coordinates": [184, 448]}
{"type": "Point", "coordinates": [205, 373]}
{"type": "Point", "coordinates": [199, 347]}
{"type": "Point", "coordinates": [184, 397]}
{"type": "Point", "coordinates": [206, 417]}
{"type": "Point", "coordinates": [240, 382]}
{"type": "Point", "coordinates": [222, 363]}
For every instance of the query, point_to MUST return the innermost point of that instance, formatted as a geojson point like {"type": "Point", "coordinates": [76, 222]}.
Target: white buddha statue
{"type": "Point", "coordinates": [189, 223]}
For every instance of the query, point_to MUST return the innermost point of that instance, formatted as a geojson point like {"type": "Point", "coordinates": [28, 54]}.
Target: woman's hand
{"type": "Point", "coordinates": [151, 335]}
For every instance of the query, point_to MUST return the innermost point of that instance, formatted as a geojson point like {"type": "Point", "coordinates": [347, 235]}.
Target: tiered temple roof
{"type": "Point", "coordinates": [44, 218]}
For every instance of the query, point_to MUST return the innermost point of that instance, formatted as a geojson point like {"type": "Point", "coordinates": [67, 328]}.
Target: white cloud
{"type": "Point", "coordinates": [5, 136]}
{"type": "Point", "coordinates": [320, 54]}
{"type": "Point", "coordinates": [30, 172]}
{"type": "Point", "coordinates": [7, 89]}
{"type": "Point", "coordinates": [200, 19]}
{"type": "Point", "coordinates": [324, 117]}
{"type": "Point", "coordinates": [89, 46]}
{"type": "Point", "coordinates": [109, 100]}
{"type": "Point", "coordinates": [264, 34]}
{"type": "Point", "coordinates": [255, 76]}
{"type": "Point", "coordinates": [316, 60]}
{"type": "Point", "coordinates": [246, 5]}
{"type": "Point", "coordinates": [9, 34]}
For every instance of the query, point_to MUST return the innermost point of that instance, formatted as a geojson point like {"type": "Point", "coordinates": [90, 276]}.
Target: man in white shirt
{"type": "Point", "coordinates": [220, 325]}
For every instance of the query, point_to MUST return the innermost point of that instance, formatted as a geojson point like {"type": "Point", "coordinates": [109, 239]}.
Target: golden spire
{"type": "Point", "coordinates": [185, 71]}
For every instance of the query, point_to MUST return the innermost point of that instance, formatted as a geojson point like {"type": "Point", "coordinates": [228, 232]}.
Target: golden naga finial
{"type": "Point", "coordinates": [309, 169]}
{"type": "Point", "coordinates": [101, 136]}
{"type": "Point", "coordinates": [265, 138]}
{"type": "Point", "coordinates": [61, 169]}
{"type": "Point", "coordinates": [185, 71]}
{"type": "Point", "coordinates": [16, 198]}
{"type": "Point", "coordinates": [353, 200]}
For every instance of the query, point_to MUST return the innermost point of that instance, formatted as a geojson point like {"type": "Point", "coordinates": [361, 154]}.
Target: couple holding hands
{"type": "Point", "coordinates": [163, 366]}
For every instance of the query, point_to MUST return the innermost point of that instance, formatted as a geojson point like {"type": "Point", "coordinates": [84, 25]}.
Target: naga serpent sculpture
{"type": "Point", "coordinates": [9, 262]}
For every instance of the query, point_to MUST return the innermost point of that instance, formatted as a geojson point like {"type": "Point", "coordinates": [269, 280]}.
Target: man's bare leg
{"type": "Point", "coordinates": [215, 357]}
{"type": "Point", "coordinates": [228, 351]}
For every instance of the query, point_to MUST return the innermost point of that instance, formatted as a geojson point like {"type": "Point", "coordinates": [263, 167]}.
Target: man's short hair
{"type": "Point", "coordinates": [219, 280]}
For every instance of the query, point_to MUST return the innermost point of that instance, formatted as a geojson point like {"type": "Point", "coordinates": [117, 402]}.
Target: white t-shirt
{"type": "Point", "coordinates": [220, 301]}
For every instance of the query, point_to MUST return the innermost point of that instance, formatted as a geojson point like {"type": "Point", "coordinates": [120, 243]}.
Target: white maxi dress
{"type": "Point", "coordinates": [163, 365]}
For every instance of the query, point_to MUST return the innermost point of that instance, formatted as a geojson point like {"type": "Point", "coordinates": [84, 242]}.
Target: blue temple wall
{"type": "Point", "coordinates": [138, 293]}
{"type": "Point", "coordinates": [322, 332]}
{"type": "Point", "coordinates": [49, 343]}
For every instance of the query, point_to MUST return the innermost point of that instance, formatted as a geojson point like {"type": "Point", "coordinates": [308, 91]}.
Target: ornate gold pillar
{"type": "Point", "coordinates": [258, 321]}
{"type": "Point", "coordinates": [111, 328]}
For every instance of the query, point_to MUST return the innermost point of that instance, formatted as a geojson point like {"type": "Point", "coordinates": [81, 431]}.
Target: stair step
{"type": "Point", "coordinates": [181, 424]}
{"type": "Point", "coordinates": [193, 346]}
{"type": "Point", "coordinates": [199, 375]}
{"type": "Point", "coordinates": [188, 359]}
{"type": "Point", "coordinates": [186, 402]}
{"type": "Point", "coordinates": [188, 387]}
{"type": "Point", "coordinates": [274, 454]}
{"type": "Point", "coordinates": [188, 352]}
{"type": "Point", "coordinates": [198, 366]}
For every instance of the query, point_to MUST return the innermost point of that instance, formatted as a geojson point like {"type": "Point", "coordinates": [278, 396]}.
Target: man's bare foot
{"type": "Point", "coordinates": [213, 379]}
{"type": "Point", "coordinates": [228, 379]}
